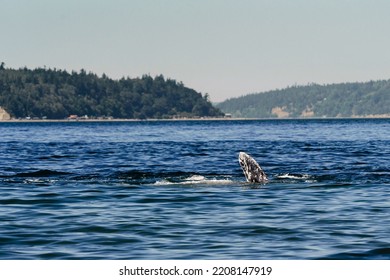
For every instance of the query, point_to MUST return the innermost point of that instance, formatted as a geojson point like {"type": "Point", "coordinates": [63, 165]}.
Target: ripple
{"type": "Point", "coordinates": [175, 190]}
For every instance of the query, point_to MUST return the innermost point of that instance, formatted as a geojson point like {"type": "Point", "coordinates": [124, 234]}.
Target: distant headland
{"type": "Point", "coordinates": [345, 100]}
{"type": "Point", "coordinates": [56, 94]}
{"type": "Point", "coordinates": [51, 94]}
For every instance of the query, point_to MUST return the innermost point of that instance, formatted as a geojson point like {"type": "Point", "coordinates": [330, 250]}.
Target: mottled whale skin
{"type": "Point", "coordinates": [252, 170]}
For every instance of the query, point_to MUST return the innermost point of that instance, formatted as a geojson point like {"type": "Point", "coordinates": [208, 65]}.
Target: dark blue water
{"type": "Point", "coordinates": [174, 190]}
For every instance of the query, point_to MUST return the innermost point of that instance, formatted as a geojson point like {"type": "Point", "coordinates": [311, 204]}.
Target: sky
{"type": "Point", "coordinates": [224, 48]}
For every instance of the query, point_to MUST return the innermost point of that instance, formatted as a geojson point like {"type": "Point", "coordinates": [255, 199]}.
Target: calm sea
{"type": "Point", "coordinates": [175, 190]}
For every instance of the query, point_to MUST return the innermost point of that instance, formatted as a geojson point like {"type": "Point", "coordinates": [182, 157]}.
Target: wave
{"type": "Point", "coordinates": [134, 177]}
{"type": "Point", "coordinates": [294, 176]}
{"type": "Point", "coordinates": [194, 179]}
{"type": "Point", "coordinates": [41, 173]}
{"type": "Point", "coordinates": [38, 173]}
{"type": "Point", "coordinates": [56, 157]}
{"type": "Point", "coordinates": [378, 254]}
{"type": "Point", "coordinates": [177, 177]}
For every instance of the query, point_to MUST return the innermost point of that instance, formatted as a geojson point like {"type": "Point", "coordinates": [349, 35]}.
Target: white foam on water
{"type": "Point", "coordinates": [163, 183]}
{"type": "Point", "coordinates": [293, 176]}
{"type": "Point", "coordinates": [195, 179]}
{"type": "Point", "coordinates": [39, 181]}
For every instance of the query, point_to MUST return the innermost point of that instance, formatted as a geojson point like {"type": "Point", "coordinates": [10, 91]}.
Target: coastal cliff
{"type": "Point", "coordinates": [4, 116]}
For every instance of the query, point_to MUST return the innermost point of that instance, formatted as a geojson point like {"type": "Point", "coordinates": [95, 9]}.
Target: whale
{"type": "Point", "coordinates": [252, 170]}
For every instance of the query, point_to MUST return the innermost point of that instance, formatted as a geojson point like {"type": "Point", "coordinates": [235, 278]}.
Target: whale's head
{"type": "Point", "coordinates": [252, 170]}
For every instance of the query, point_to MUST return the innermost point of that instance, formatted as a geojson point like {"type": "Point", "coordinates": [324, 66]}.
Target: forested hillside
{"type": "Point", "coordinates": [56, 94]}
{"type": "Point", "coordinates": [336, 100]}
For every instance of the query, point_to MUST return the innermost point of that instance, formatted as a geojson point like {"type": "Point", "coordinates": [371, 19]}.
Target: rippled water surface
{"type": "Point", "coordinates": [175, 190]}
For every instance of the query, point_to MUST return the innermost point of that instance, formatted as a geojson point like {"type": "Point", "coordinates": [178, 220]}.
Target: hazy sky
{"type": "Point", "coordinates": [222, 47]}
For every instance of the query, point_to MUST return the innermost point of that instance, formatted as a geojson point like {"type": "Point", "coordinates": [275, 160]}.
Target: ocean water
{"type": "Point", "coordinates": [175, 190]}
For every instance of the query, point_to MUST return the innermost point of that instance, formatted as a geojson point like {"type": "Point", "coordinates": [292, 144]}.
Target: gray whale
{"type": "Point", "coordinates": [252, 170]}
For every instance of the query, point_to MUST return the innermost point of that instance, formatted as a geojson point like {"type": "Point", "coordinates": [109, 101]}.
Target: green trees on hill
{"type": "Point", "coordinates": [56, 94]}
{"type": "Point", "coordinates": [336, 100]}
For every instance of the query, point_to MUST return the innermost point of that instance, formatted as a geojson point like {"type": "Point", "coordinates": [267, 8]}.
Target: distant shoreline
{"type": "Point", "coordinates": [185, 119]}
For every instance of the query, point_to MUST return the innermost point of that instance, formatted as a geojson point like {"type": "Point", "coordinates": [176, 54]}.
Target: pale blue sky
{"type": "Point", "coordinates": [222, 47]}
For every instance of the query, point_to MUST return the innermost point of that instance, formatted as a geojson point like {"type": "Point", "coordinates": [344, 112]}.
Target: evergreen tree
{"type": "Point", "coordinates": [56, 94]}
{"type": "Point", "coordinates": [336, 100]}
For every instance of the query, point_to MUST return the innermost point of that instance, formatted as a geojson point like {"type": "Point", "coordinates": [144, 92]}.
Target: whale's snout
{"type": "Point", "coordinates": [252, 170]}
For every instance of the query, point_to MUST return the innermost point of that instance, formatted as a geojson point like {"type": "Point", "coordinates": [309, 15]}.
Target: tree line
{"type": "Point", "coordinates": [314, 100]}
{"type": "Point", "coordinates": [56, 94]}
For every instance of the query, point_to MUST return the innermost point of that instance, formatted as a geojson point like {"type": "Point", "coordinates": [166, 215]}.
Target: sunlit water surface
{"type": "Point", "coordinates": [175, 190]}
